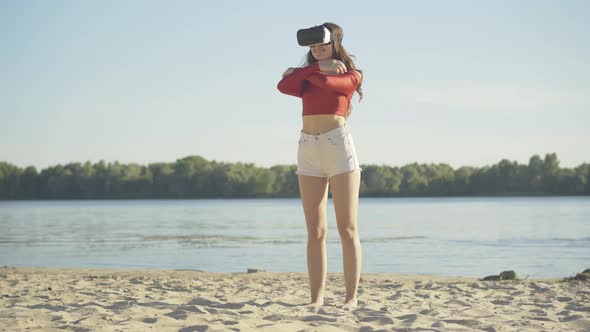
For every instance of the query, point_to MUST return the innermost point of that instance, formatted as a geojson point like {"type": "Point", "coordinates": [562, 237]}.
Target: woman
{"type": "Point", "coordinates": [326, 154]}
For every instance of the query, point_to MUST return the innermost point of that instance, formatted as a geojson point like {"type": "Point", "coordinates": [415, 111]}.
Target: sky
{"type": "Point", "coordinates": [467, 83]}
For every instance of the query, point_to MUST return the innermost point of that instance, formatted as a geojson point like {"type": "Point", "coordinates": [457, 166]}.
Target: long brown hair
{"type": "Point", "coordinates": [339, 53]}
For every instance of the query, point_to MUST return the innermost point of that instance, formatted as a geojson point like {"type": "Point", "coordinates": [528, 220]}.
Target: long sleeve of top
{"type": "Point", "coordinates": [344, 83]}
{"type": "Point", "coordinates": [292, 84]}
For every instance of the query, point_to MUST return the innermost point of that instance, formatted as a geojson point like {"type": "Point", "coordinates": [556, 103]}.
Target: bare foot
{"type": "Point", "coordinates": [314, 306]}
{"type": "Point", "coordinates": [350, 304]}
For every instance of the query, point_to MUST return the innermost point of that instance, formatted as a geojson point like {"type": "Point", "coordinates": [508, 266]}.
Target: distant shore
{"type": "Point", "coordinates": [36, 299]}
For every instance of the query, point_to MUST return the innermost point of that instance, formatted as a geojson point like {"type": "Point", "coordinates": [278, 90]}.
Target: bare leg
{"type": "Point", "coordinates": [314, 198]}
{"type": "Point", "coordinates": [345, 190]}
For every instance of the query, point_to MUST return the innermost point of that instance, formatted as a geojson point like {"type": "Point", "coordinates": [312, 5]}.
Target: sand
{"type": "Point", "coordinates": [77, 299]}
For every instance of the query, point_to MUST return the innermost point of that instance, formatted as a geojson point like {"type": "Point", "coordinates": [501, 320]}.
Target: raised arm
{"type": "Point", "coordinates": [292, 84]}
{"type": "Point", "coordinates": [344, 83]}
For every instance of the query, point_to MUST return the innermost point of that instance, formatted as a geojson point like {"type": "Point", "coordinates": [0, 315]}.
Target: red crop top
{"type": "Point", "coordinates": [320, 93]}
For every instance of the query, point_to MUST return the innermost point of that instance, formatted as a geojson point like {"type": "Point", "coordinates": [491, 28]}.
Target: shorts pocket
{"type": "Point", "coordinates": [339, 140]}
{"type": "Point", "coordinates": [341, 143]}
{"type": "Point", "coordinates": [303, 150]}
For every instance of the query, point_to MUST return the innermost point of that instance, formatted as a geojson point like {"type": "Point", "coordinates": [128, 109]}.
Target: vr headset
{"type": "Point", "coordinates": [315, 35]}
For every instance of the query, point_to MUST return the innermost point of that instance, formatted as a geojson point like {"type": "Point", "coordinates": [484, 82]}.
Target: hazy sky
{"type": "Point", "coordinates": [460, 82]}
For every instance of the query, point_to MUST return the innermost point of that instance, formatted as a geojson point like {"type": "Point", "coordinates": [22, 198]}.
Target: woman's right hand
{"type": "Point", "coordinates": [332, 66]}
{"type": "Point", "coordinates": [288, 71]}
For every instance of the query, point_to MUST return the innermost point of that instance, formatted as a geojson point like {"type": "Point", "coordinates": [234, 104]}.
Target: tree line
{"type": "Point", "coordinates": [196, 177]}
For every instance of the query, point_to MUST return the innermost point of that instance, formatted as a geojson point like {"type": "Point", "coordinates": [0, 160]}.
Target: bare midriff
{"type": "Point", "coordinates": [320, 123]}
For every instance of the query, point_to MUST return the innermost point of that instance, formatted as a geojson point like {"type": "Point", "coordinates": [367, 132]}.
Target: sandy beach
{"type": "Point", "coordinates": [78, 299]}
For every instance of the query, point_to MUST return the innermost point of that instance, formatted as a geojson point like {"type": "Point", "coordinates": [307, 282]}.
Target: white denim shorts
{"type": "Point", "coordinates": [327, 154]}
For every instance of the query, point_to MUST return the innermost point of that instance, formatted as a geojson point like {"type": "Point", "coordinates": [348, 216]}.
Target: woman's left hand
{"type": "Point", "coordinates": [332, 67]}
